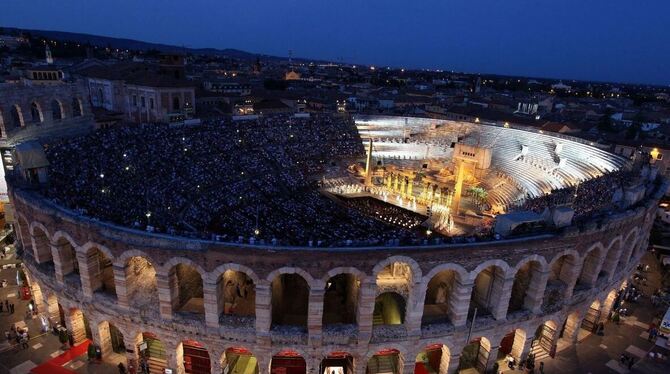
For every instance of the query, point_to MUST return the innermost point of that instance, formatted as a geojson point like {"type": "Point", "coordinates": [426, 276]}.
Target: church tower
{"type": "Point", "coordinates": [50, 59]}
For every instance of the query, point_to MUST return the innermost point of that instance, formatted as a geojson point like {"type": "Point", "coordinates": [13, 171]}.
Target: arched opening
{"type": "Point", "coordinates": [76, 107]}
{"type": "Point", "coordinates": [340, 301]}
{"type": "Point", "coordinates": [151, 353]}
{"type": "Point", "coordinates": [36, 113]}
{"type": "Point", "coordinates": [236, 295]}
{"type": "Point", "coordinates": [626, 253]}
{"type": "Point", "coordinates": [101, 272]}
{"type": "Point", "coordinates": [439, 305]}
{"type": "Point", "coordinates": [591, 319]}
{"type": "Point", "coordinates": [389, 309]}
{"type": "Point", "coordinates": [239, 360]}
{"type": "Point", "coordinates": [80, 328]}
{"type": "Point", "coordinates": [434, 359]}
{"type": "Point", "coordinates": [544, 341]}
{"type": "Point", "coordinates": [186, 289]}
{"type": "Point", "coordinates": [610, 304]}
{"type": "Point", "coordinates": [611, 259]}
{"type": "Point", "coordinates": [3, 131]}
{"type": "Point", "coordinates": [16, 117]}
{"type": "Point", "coordinates": [590, 269]}
{"type": "Point", "coordinates": [67, 262]}
{"type": "Point", "coordinates": [511, 345]}
{"type": "Point", "coordinates": [194, 357]}
{"type": "Point", "coordinates": [475, 355]}
{"type": "Point", "coordinates": [288, 362]}
{"type": "Point", "coordinates": [384, 362]}
{"type": "Point", "coordinates": [524, 277]}
{"type": "Point", "coordinates": [141, 285]}
{"type": "Point", "coordinates": [56, 110]}
{"type": "Point", "coordinates": [337, 363]}
{"type": "Point", "coordinates": [571, 327]}
{"type": "Point", "coordinates": [290, 298]}
{"type": "Point", "coordinates": [111, 341]}
{"type": "Point", "coordinates": [175, 103]}
{"type": "Point", "coordinates": [562, 270]}
{"type": "Point", "coordinates": [42, 249]}
{"type": "Point", "coordinates": [486, 290]}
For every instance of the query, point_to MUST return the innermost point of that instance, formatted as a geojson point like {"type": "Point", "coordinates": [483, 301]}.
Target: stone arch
{"type": "Point", "coordinates": [186, 281]}
{"type": "Point", "coordinates": [214, 275]}
{"type": "Point", "coordinates": [99, 260]}
{"type": "Point", "coordinates": [231, 356]}
{"type": "Point", "coordinates": [612, 255]}
{"type": "Point", "coordinates": [563, 271]}
{"type": "Point", "coordinates": [77, 108]}
{"type": "Point", "coordinates": [36, 113]}
{"type": "Point", "coordinates": [342, 295]}
{"type": "Point", "coordinates": [16, 117]}
{"type": "Point", "coordinates": [527, 289]}
{"type": "Point", "coordinates": [592, 262]}
{"type": "Point", "coordinates": [79, 326]}
{"type": "Point", "coordinates": [629, 244]}
{"type": "Point", "coordinates": [294, 310]}
{"type": "Point", "coordinates": [66, 260]}
{"type": "Point", "coordinates": [235, 287]}
{"type": "Point", "coordinates": [476, 355]}
{"type": "Point", "coordinates": [193, 357]}
{"type": "Point", "coordinates": [140, 280]}
{"type": "Point", "coordinates": [440, 288]}
{"type": "Point", "coordinates": [24, 235]}
{"type": "Point", "coordinates": [434, 358]}
{"type": "Point", "coordinates": [293, 270]}
{"type": "Point", "coordinates": [385, 358]}
{"type": "Point", "coordinates": [111, 338]}
{"type": "Point", "coordinates": [488, 281]}
{"type": "Point", "coordinates": [57, 110]}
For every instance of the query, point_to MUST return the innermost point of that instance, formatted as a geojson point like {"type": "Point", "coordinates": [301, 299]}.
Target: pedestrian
{"type": "Point", "coordinates": [631, 361]}
{"type": "Point", "coordinates": [11, 306]}
{"type": "Point", "coordinates": [7, 304]}
{"type": "Point", "coordinates": [1, 306]}
{"type": "Point", "coordinates": [122, 368]}
{"type": "Point", "coordinates": [541, 367]}
{"type": "Point", "coordinates": [24, 341]}
{"type": "Point", "coordinates": [8, 336]}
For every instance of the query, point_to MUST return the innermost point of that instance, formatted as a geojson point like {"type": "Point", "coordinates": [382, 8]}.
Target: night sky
{"type": "Point", "coordinates": [615, 40]}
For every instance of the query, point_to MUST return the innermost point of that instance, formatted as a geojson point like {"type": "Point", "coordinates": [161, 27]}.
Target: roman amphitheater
{"type": "Point", "coordinates": [444, 298]}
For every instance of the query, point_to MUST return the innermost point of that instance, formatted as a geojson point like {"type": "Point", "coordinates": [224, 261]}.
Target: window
{"type": "Point", "coordinates": [16, 116]}
{"type": "Point", "coordinates": [35, 113]}
{"type": "Point", "coordinates": [659, 156]}
{"type": "Point", "coordinates": [144, 103]}
{"type": "Point", "coordinates": [151, 103]}
{"type": "Point", "coordinates": [76, 107]}
{"type": "Point", "coordinates": [56, 112]}
{"type": "Point", "coordinates": [134, 100]}
{"type": "Point", "coordinates": [175, 103]}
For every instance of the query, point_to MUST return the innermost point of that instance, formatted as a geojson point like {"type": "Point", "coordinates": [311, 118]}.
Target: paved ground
{"type": "Point", "coordinates": [600, 354]}
{"type": "Point", "coordinates": [42, 346]}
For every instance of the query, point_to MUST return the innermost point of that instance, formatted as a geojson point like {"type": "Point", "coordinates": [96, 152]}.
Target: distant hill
{"type": "Point", "coordinates": [121, 43]}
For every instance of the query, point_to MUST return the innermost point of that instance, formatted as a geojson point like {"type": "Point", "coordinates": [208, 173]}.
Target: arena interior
{"type": "Point", "coordinates": [329, 244]}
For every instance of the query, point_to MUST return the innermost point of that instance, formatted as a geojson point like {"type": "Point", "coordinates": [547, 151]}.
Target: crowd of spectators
{"type": "Point", "coordinates": [234, 181]}
{"type": "Point", "coordinates": [587, 198]}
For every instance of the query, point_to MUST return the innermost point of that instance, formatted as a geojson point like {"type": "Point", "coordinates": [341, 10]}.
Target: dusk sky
{"type": "Point", "coordinates": [614, 40]}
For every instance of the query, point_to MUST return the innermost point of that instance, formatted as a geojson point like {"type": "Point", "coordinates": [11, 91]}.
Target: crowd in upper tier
{"type": "Point", "coordinates": [227, 180]}
{"type": "Point", "coordinates": [586, 199]}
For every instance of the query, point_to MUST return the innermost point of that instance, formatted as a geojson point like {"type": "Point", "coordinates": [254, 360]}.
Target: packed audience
{"type": "Point", "coordinates": [587, 198]}
{"type": "Point", "coordinates": [235, 181]}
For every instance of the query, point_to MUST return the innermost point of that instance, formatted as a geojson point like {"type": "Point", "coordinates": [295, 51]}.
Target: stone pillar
{"type": "Point", "coordinates": [212, 310]}
{"type": "Point", "coordinates": [569, 275]}
{"type": "Point", "coordinates": [500, 304]}
{"type": "Point", "coordinates": [454, 362]}
{"type": "Point", "coordinates": [526, 348]}
{"type": "Point", "coordinates": [414, 312]}
{"type": "Point", "coordinates": [89, 271]}
{"type": "Point", "coordinates": [103, 338]}
{"type": "Point", "coordinates": [366, 306]}
{"type": "Point", "coordinates": [459, 302]}
{"type": "Point", "coordinates": [41, 248]}
{"type": "Point", "coordinates": [315, 314]}
{"type": "Point", "coordinates": [164, 295]}
{"type": "Point", "coordinates": [62, 266]}
{"type": "Point", "coordinates": [263, 312]}
{"type": "Point", "coordinates": [121, 287]}
{"type": "Point", "coordinates": [535, 292]}
{"type": "Point", "coordinates": [131, 357]}
{"type": "Point", "coordinates": [493, 357]}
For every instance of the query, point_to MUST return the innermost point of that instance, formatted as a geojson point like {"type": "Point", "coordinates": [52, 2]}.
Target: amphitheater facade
{"type": "Point", "coordinates": [203, 304]}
